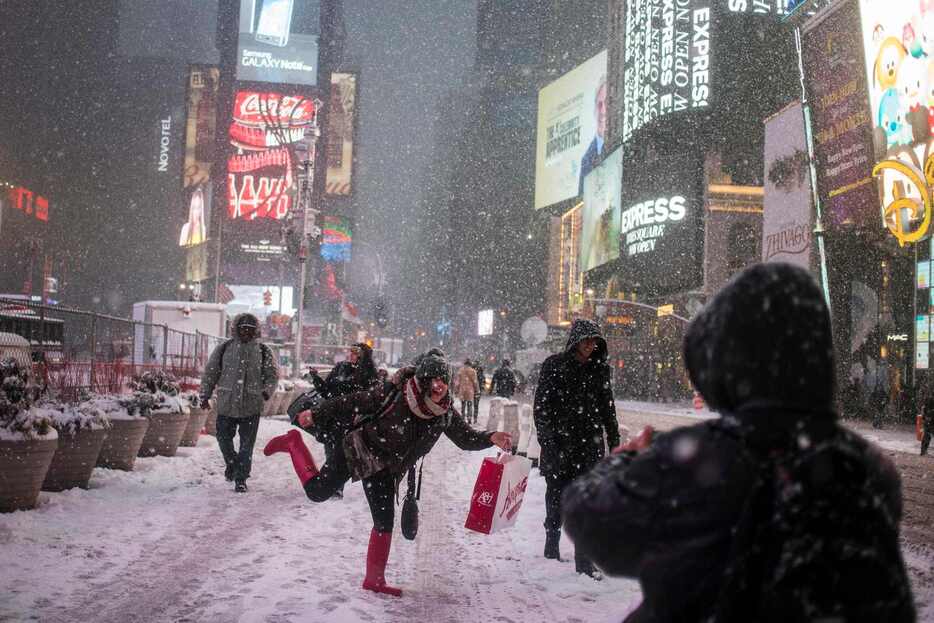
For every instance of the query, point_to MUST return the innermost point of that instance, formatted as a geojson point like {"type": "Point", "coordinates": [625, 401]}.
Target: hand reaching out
{"type": "Point", "coordinates": [502, 441]}
{"type": "Point", "coordinates": [640, 442]}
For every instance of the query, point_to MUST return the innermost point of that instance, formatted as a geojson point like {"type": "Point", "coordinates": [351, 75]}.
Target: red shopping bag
{"type": "Point", "coordinates": [498, 493]}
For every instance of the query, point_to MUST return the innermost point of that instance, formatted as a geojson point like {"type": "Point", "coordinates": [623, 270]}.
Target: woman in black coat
{"type": "Point", "coordinates": [774, 511]}
{"type": "Point", "coordinates": [573, 411]}
{"type": "Point", "coordinates": [410, 418]}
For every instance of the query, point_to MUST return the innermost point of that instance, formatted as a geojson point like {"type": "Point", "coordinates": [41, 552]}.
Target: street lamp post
{"type": "Point", "coordinates": [309, 231]}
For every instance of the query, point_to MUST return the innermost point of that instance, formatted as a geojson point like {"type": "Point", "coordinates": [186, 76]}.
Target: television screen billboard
{"type": "Point", "coordinates": [485, 322]}
{"type": "Point", "coordinates": [336, 238]}
{"type": "Point", "coordinates": [668, 61]}
{"type": "Point", "coordinates": [200, 129]}
{"type": "Point", "coordinates": [278, 41]}
{"type": "Point", "coordinates": [661, 227]}
{"type": "Point", "coordinates": [602, 193]}
{"type": "Point", "coordinates": [570, 131]}
{"type": "Point", "coordinates": [342, 114]}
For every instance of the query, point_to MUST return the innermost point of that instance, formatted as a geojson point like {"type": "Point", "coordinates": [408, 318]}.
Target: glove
{"type": "Point", "coordinates": [613, 440]}
{"type": "Point", "coordinates": [265, 395]}
{"type": "Point", "coordinates": [205, 403]}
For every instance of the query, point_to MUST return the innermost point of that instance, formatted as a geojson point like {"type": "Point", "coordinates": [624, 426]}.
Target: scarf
{"type": "Point", "coordinates": [422, 406]}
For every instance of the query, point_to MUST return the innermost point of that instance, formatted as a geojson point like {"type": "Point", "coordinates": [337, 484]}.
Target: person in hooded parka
{"type": "Point", "coordinates": [771, 512]}
{"type": "Point", "coordinates": [573, 411]}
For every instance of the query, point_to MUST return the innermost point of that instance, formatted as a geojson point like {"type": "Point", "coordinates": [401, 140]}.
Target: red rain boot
{"type": "Point", "coordinates": [376, 556]}
{"type": "Point", "coordinates": [292, 443]}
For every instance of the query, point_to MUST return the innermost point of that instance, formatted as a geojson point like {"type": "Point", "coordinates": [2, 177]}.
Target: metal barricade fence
{"type": "Point", "coordinates": [76, 351]}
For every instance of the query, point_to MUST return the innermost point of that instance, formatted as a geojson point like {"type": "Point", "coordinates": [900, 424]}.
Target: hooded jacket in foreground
{"type": "Point", "coordinates": [243, 375]}
{"type": "Point", "coordinates": [707, 516]}
{"type": "Point", "coordinates": [574, 406]}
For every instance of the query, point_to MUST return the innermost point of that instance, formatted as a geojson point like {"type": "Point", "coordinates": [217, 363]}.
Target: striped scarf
{"type": "Point", "coordinates": [423, 406]}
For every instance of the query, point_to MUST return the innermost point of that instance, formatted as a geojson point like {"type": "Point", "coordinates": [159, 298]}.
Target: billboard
{"type": "Point", "coordinates": [278, 41]}
{"type": "Point", "coordinates": [787, 218]}
{"type": "Point", "coordinates": [831, 52]}
{"type": "Point", "coordinates": [667, 60]}
{"type": "Point", "coordinates": [200, 127]}
{"type": "Point", "coordinates": [336, 238]}
{"type": "Point", "coordinates": [485, 322]}
{"type": "Point", "coordinates": [570, 131]}
{"type": "Point", "coordinates": [342, 115]}
{"type": "Point", "coordinates": [602, 193]}
{"type": "Point", "coordinates": [661, 225]}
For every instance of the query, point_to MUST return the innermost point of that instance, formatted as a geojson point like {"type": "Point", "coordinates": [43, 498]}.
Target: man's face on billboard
{"type": "Point", "coordinates": [600, 110]}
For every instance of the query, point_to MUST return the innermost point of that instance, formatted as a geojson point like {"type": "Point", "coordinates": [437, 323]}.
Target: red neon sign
{"type": "Point", "coordinates": [27, 201]}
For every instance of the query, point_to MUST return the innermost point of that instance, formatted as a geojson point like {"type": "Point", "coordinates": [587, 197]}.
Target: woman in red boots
{"type": "Point", "coordinates": [410, 416]}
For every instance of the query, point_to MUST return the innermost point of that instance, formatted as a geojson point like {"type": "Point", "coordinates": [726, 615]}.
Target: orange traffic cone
{"type": "Point", "coordinates": [698, 401]}
{"type": "Point", "coordinates": [919, 427]}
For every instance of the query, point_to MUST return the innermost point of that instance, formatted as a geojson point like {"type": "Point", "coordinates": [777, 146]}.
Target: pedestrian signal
{"type": "Point", "coordinates": [267, 298]}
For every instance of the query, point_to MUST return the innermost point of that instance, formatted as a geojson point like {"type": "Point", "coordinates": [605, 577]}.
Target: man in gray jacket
{"type": "Point", "coordinates": [244, 371]}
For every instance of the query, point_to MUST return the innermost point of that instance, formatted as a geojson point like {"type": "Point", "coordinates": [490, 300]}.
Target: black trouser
{"type": "Point", "coordinates": [467, 410]}
{"type": "Point", "coordinates": [380, 488]}
{"type": "Point", "coordinates": [554, 485]}
{"type": "Point", "coordinates": [476, 407]}
{"type": "Point", "coordinates": [239, 463]}
{"type": "Point", "coordinates": [928, 431]}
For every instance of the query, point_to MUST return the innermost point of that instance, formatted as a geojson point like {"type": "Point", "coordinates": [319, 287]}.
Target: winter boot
{"type": "Point", "coordinates": [582, 565]}
{"type": "Point", "coordinates": [377, 554]}
{"type": "Point", "coordinates": [240, 486]}
{"type": "Point", "coordinates": [552, 538]}
{"type": "Point", "coordinates": [292, 443]}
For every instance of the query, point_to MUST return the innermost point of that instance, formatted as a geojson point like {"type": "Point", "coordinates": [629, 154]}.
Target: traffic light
{"type": "Point", "coordinates": [267, 298]}
{"type": "Point", "coordinates": [381, 317]}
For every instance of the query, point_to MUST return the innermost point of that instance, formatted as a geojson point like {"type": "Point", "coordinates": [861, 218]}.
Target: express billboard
{"type": "Point", "coordinates": [667, 60]}
{"type": "Point", "coordinates": [278, 41]}
{"type": "Point", "coordinates": [661, 226]}
{"type": "Point", "coordinates": [199, 155]}
{"type": "Point", "coordinates": [602, 195]}
{"type": "Point", "coordinates": [342, 115]}
{"type": "Point", "coordinates": [570, 131]}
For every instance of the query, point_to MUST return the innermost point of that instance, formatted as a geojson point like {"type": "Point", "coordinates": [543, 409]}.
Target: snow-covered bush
{"type": "Point", "coordinates": [155, 392]}
{"type": "Point", "coordinates": [192, 398]}
{"type": "Point", "coordinates": [71, 419]}
{"type": "Point", "coordinates": [114, 407]}
{"type": "Point", "coordinates": [17, 418]}
{"type": "Point", "coordinates": [155, 381]}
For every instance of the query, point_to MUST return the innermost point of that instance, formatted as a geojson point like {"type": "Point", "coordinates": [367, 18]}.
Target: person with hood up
{"type": "Point", "coordinates": [245, 374]}
{"type": "Point", "coordinates": [389, 429]}
{"type": "Point", "coordinates": [573, 412]}
{"type": "Point", "coordinates": [772, 512]}
{"type": "Point", "coordinates": [466, 388]}
{"type": "Point", "coordinates": [504, 380]}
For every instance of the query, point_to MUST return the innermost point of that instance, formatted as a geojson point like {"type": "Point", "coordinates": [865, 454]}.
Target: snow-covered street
{"type": "Point", "coordinates": [171, 541]}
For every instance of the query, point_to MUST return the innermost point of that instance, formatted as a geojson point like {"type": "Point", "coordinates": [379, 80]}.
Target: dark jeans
{"type": "Point", "coordinates": [467, 410]}
{"type": "Point", "coordinates": [239, 463]}
{"type": "Point", "coordinates": [553, 488]}
{"type": "Point", "coordinates": [380, 488]}
{"type": "Point", "coordinates": [476, 407]}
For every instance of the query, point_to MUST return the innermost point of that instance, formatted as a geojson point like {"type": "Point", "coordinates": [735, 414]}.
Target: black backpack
{"type": "Point", "coordinates": [813, 544]}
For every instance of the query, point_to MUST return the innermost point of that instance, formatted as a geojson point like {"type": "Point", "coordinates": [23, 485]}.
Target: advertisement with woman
{"type": "Point", "coordinates": [602, 190]}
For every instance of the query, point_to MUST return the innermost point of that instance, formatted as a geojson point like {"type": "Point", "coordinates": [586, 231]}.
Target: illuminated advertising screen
{"type": "Point", "coordinates": [661, 228]}
{"type": "Point", "coordinates": [278, 41]}
{"type": "Point", "coordinates": [485, 322]}
{"type": "Point", "coordinates": [600, 234]}
{"type": "Point", "coordinates": [340, 135]}
{"type": "Point", "coordinates": [667, 64]}
{"type": "Point", "coordinates": [898, 46]}
{"type": "Point", "coordinates": [253, 299]}
{"type": "Point", "coordinates": [842, 132]}
{"type": "Point", "coordinates": [199, 154]}
{"type": "Point", "coordinates": [570, 131]}
{"type": "Point", "coordinates": [760, 7]}
{"type": "Point", "coordinates": [336, 238]}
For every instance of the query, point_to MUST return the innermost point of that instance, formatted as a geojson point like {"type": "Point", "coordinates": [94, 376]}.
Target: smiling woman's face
{"type": "Point", "coordinates": [438, 388]}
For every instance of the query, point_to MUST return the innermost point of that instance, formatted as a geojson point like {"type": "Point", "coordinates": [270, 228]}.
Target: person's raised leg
{"type": "Point", "coordinates": [302, 461]}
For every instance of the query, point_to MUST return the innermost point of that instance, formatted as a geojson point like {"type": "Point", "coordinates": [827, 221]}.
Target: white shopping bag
{"type": "Point", "coordinates": [498, 493]}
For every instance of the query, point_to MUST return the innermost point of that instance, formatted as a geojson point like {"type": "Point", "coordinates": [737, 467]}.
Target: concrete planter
{"type": "Point", "coordinates": [122, 443]}
{"type": "Point", "coordinates": [164, 433]}
{"type": "Point", "coordinates": [74, 460]}
{"type": "Point", "coordinates": [23, 466]}
{"type": "Point", "coordinates": [193, 430]}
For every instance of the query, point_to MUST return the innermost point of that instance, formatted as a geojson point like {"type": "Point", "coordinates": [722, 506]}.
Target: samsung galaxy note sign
{"type": "Point", "coordinates": [645, 223]}
{"type": "Point", "coordinates": [278, 41]}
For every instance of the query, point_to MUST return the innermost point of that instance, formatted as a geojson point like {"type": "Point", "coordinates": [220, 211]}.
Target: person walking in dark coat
{"type": "Point", "coordinates": [772, 512]}
{"type": "Point", "coordinates": [573, 411]}
{"type": "Point", "coordinates": [504, 380]}
{"type": "Point", "coordinates": [927, 414]}
{"type": "Point", "coordinates": [411, 414]}
{"type": "Point", "coordinates": [244, 372]}
{"type": "Point", "coordinates": [481, 383]}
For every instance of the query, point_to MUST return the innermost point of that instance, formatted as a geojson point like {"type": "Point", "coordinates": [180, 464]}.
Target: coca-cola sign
{"type": "Point", "coordinates": [262, 109]}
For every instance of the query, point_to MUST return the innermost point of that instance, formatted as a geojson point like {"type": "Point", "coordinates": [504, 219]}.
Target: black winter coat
{"type": "Point", "coordinates": [774, 512]}
{"type": "Point", "coordinates": [398, 439]}
{"type": "Point", "coordinates": [504, 382]}
{"type": "Point", "coordinates": [574, 407]}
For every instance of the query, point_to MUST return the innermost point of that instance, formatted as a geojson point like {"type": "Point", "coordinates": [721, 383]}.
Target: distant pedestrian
{"type": "Point", "coordinates": [504, 380]}
{"type": "Point", "coordinates": [245, 374]}
{"type": "Point", "coordinates": [481, 385]}
{"type": "Point", "coordinates": [879, 389]}
{"type": "Point", "coordinates": [466, 389]}
{"type": "Point", "coordinates": [773, 512]}
{"type": "Point", "coordinates": [927, 413]}
{"type": "Point", "coordinates": [573, 412]}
